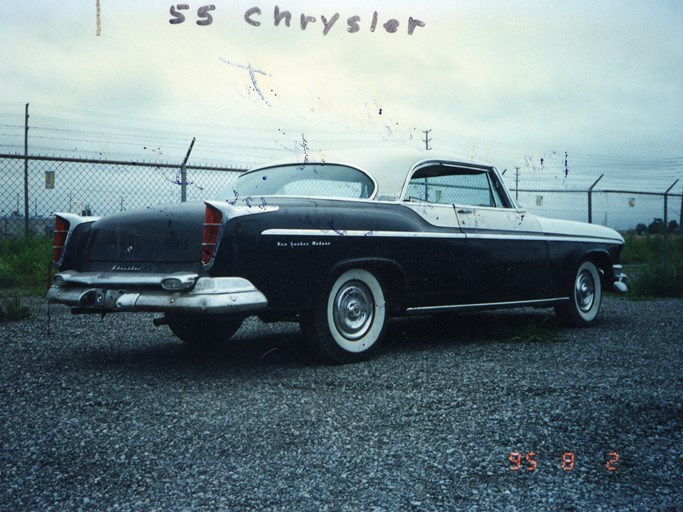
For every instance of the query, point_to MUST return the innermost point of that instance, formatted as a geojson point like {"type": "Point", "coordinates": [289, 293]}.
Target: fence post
{"type": "Point", "coordinates": [183, 174]}
{"type": "Point", "coordinates": [26, 212]}
{"type": "Point", "coordinates": [666, 222]}
{"type": "Point", "coordinates": [590, 199]}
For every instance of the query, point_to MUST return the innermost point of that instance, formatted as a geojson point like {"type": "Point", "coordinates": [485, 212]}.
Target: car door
{"type": "Point", "coordinates": [506, 250]}
{"type": "Point", "coordinates": [438, 273]}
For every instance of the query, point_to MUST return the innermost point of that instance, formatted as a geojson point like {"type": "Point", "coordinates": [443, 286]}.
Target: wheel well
{"type": "Point", "coordinates": [388, 272]}
{"type": "Point", "coordinates": [603, 261]}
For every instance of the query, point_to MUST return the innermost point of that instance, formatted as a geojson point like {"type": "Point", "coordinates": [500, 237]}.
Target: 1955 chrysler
{"type": "Point", "coordinates": [339, 242]}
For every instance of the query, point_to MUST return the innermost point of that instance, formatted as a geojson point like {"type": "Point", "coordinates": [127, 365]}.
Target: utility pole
{"type": "Point", "coordinates": [516, 183]}
{"type": "Point", "coordinates": [98, 16]}
{"type": "Point", "coordinates": [427, 139]}
{"type": "Point", "coordinates": [666, 221]}
{"type": "Point", "coordinates": [26, 223]}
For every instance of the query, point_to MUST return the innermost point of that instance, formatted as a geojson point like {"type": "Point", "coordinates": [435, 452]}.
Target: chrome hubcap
{"type": "Point", "coordinates": [353, 310]}
{"type": "Point", "coordinates": [585, 290]}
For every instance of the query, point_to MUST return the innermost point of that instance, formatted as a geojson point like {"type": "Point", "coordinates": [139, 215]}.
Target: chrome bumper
{"type": "Point", "coordinates": [112, 292]}
{"type": "Point", "coordinates": [620, 279]}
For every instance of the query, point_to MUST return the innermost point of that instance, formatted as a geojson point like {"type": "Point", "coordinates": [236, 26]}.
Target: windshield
{"type": "Point", "coordinates": [309, 180]}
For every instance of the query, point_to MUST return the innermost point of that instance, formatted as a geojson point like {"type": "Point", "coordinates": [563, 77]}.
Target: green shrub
{"type": "Point", "coordinates": [25, 264]}
{"type": "Point", "coordinates": [13, 310]}
{"type": "Point", "coordinates": [659, 280]}
{"type": "Point", "coordinates": [650, 248]}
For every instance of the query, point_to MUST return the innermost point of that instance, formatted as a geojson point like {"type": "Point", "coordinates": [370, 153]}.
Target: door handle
{"type": "Point", "coordinates": [465, 210]}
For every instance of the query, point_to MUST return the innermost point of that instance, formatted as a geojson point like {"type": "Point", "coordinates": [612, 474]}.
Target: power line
{"type": "Point", "coordinates": [68, 127]}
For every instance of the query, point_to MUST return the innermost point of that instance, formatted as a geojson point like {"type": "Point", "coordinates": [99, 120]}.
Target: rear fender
{"type": "Point", "coordinates": [230, 211]}
{"type": "Point", "coordinates": [74, 221]}
{"type": "Point", "coordinates": [390, 274]}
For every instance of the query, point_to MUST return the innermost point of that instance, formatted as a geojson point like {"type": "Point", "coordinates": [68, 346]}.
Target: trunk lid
{"type": "Point", "coordinates": [164, 238]}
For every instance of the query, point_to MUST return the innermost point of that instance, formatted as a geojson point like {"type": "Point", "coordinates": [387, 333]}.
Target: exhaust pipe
{"type": "Point", "coordinates": [88, 299]}
{"type": "Point", "coordinates": [158, 322]}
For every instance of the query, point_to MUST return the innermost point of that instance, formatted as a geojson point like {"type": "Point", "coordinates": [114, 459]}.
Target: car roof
{"type": "Point", "coordinates": [389, 168]}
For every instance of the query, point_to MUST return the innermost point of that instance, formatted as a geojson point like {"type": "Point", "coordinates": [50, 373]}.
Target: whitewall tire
{"type": "Point", "coordinates": [585, 297]}
{"type": "Point", "coordinates": [348, 321]}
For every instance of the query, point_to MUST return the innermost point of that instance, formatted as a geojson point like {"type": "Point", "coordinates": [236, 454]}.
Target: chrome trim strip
{"type": "Point", "coordinates": [506, 236]}
{"type": "Point", "coordinates": [359, 233]}
{"type": "Point", "coordinates": [431, 234]}
{"type": "Point", "coordinates": [230, 210]}
{"type": "Point", "coordinates": [114, 279]}
{"type": "Point", "coordinates": [549, 238]}
{"type": "Point", "coordinates": [484, 305]}
{"type": "Point", "coordinates": [573, 238]}
{"type": "Point", "coordinates": [264, 197]}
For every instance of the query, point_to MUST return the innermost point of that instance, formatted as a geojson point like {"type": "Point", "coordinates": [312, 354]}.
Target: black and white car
{"type": "Point", "coordinates": [340, 242]}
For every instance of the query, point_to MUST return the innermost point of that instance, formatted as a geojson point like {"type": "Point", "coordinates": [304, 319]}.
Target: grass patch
{"type": "Point", "coordinates": [12, 310]}
{"type": "Point", "coordinates": [650, 248]}
{"type": "Point", "coordinates": [650, 275]}
{"type": "Point", "coordinates": [535, 331]}
{"type": "Point", "coordinates": [25, 264]}
{"type": "Point", "coordinates": [659, 280]}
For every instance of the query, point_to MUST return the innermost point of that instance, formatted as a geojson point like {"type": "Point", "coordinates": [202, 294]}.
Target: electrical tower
{"type": "Point", "coordinates": [427, 139]}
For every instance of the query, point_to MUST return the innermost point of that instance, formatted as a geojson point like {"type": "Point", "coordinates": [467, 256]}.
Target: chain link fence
{"type": "Point", "coordinates": [94, 187]}
{"type": "Point", "coordinates": [102, 187]}
{"type": "Point", "coordinates": [622, 210]}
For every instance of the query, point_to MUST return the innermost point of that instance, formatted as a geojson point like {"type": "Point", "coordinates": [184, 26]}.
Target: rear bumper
{"type": "Point", "coordinates": [91, 292]}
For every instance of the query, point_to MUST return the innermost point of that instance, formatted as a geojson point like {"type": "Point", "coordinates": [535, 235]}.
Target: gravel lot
{"type": "Point", "coordinates": [115, 414]}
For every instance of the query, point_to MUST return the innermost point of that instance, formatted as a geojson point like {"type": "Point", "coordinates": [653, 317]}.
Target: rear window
{"type": "Point", "coordinates": [309, 180]}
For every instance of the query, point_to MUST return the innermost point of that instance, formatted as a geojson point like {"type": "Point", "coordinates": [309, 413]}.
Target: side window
{"type": "Point", "coordinates": [453, 185]}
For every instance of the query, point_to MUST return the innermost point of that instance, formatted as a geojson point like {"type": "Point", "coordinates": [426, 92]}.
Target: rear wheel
{"type": "Point", "coordinates": [348, 320]}
{"type": "Point", "coordinates": [585, 298]}
{"type": "Point", "coordinates": [203, 330]}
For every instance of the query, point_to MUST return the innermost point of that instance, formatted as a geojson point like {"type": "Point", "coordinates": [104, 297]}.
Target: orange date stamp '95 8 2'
{"type": "Point", "coordinates": [530, 462]}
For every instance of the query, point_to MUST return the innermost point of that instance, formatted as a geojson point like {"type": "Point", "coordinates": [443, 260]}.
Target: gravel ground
{"type": "Point", "coordinates": [115, 414]}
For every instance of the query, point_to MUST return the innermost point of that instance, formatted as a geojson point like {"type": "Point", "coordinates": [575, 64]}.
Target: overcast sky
{"type": "Point", "coordinates": [510, 83]}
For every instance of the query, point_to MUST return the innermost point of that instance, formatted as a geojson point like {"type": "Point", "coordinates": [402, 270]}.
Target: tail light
{"type": "Point", "coordinates": [61, 231]}
{"type": "Point", "coordinates": [212, 224]}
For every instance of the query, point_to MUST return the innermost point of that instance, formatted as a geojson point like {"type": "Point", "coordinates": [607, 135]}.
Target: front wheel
{"type": "Point", "coordinates": [203, 330]}
{"type": "Point", "coordinates": [347, 322]}
{"type": "Point", "coordinates": [586, 296]}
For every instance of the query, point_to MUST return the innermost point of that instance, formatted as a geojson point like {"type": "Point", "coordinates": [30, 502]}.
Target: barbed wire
{"type": "Point", "coordinates": [78, 131]}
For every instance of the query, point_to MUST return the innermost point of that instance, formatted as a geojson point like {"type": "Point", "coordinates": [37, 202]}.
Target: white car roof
{"type": "Point", "coordinates": [389, 168]}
